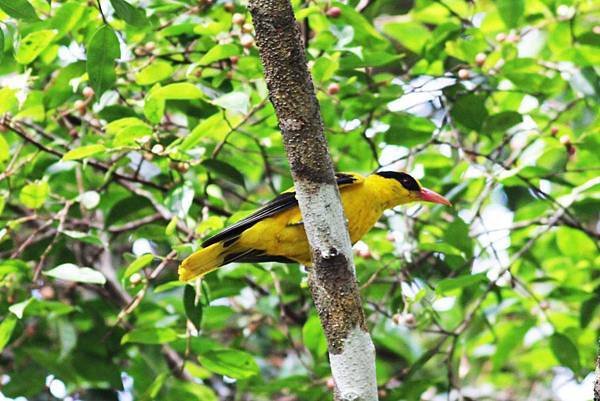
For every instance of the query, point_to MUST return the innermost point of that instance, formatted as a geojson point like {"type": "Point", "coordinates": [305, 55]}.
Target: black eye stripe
{"type": "Point", "coordinates": [406, 180]}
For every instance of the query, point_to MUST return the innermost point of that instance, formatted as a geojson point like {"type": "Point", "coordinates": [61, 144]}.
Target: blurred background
{"type": "Point", "coordinates": [132, 130]}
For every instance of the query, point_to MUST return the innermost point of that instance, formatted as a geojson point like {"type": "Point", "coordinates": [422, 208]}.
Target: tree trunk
{"type": "Point", "coordinates": [597, 382]}
{"type": "Point", "coordinates": [332, 280]}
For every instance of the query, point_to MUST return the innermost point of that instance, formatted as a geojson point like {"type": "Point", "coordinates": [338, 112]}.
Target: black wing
{"type": "Point", "coordinates": [282, 202]}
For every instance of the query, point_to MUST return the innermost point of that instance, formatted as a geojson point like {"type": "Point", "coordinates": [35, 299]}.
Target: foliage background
{"type": "Point", "coordinates": [492, 103]}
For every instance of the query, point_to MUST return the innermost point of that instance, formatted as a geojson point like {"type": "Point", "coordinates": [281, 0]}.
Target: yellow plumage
{"type": "Point", "coordinates": [276, 232]}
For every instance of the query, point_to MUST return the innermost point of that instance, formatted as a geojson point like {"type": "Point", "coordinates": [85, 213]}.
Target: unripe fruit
{"type": "Point", "coordinates": [333, 89]}
{"type": "Point", "coordinates": [480, 59]}
{"type": "Point", "coordinates": [464, 73]}
{"type": "Point", "coordinates": [501, 37]}
{"type": "Point", "coordinates": [247, 28]}
{"type": "Point", "coordinates": [334, 12]}
{"type": "Point", "coordinates": [80, 106]}
{"type": "Point", "coordinates": [409, 319]}
{"type": "Point", "coordinates": [513, 38]}
{"type": "Point", "coordinates": [88, 92]}
{"type": "Point", "coordinates": [150, 47]}
{"type": "Point", "coordinates": [158, 148]}
{"type": "Point", "coordinates": [234, 59]}
{"type": "Point", "coordinates": [47, 292]}
{"type": "Point", "coordinates": [229, 7]}
{"type": "Point", "coordinates": [30, 330]}
{"type": "Point", "coordinates": [182, 167]}
{"type": "Point", "coordinates": [330, 383]}
{"type": "Point", "coordinates": [554, 131]}
{"type": "Point", "coordinates": [135, 278]}
{"type": "Point", "coordinates": [238, 19]}
{"type": "Point", "coordinates": [365, 254]}
{"type": "Point", "coordinates": [247, 41]}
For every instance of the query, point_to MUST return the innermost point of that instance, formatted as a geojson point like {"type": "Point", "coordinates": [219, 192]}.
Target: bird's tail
{"type": "Point", "coordinates": [202, 261]}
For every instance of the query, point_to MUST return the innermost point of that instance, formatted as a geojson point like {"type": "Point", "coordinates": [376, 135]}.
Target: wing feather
{"type": "Point", "coordinates": [282, 202]}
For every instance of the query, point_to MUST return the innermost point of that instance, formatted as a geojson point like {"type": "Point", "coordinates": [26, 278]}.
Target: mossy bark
{"type": "Point", "coordinates": [332, 280]}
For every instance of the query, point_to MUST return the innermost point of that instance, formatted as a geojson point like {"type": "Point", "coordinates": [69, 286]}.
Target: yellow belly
{"type": "Point", "coordinates": [283, 235]}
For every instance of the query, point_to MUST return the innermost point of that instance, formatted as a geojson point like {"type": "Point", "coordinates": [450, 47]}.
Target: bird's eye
{"type": "Point", "coordinates": [409, 183]}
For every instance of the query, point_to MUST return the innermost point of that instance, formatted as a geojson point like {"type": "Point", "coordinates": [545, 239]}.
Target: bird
{"type": "Point", "coordinates": [275, 232]}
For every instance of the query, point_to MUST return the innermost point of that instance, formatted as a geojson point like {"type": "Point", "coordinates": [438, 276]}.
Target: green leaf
{"type": "Point", "coordinates": [127, 130]}
{"type": "Point", "coordinates": [587, 312]}
{"type": "Point", "coordinates": [150, 335]}
{"type": "Point", "coordinates": [157, 71]}
{"type": "Point", "coordinates": [442, 247]}
{"type": "Point", "coordinates": [408, 130]}
{"type": "Point", "coordinates": [219, 52]}
{"type": "Point", "coordinates": [138, 264]}
{"type": "Point", "coordinates": [193, 310]}
{"type": "Point", "coordinates": [19, 9]}
{"type": "Point", "coordinates": [154, 108]}
{"type": "Point", "coordinates": [449, 284]}
{"type": "Point", "coordinates": [511, 11]}
{"type": "Point", "coordinates": [576, 244]}
{"type": "Point", "coordinates": [313, 336]}
{"type": "Point", "coordinates": [509, 342]}
{"type": "Point", "coordinates": [230, 362]}
{"type": "Point", "coordinates": [67, 17]}
{"type": "Point", "coordinates": [83, 152]}
{"type": "Point", "coordinates": [565, 351]}
{"type": "Point", "coordinates": [34, 195]}
{"type": "Point", "coordinates": [84, 237]}
{"type": "Point", "coordinates": [411, 35]}
{"type": "Point", "coordinates": [470, 111]}
{"type": "Point", "coordinates": [214, 126]}
{"type": "Point", "coordinates": [19, 309]}
{"type": "Point", "coordinates": [172, 226]}
{"type": "Point", "coordinates": [178, 91]}
{"type": "Point", "coordinates": [6, 328]}
{"type": "Point", "coordinates": [33, 44]}
{"type": "Point", "coordinates": [102, 51]}
{"type": "Point", "coordinates": [224, 170]}
{"type": "Point", "coordinates": [234, 101]}
{"type": "Point", "coordinates": [502, 121]}
{"type": "Point", "coordinates": [8, 101]}
{"type": "Point", "coordinates": [67, 335]}
{"type": "Point", "coordinates": [72, 272]}
{"type": "Point", "coordinates": [128, 13]}
{"type": "Point", "coordinates": [153, 389]}
{"type": "Point", "coordinates": [324, 68]}
{"type": "Point", "coordinates": [4, 149]}
{"type": "Point", "coordinates": [1, 44]}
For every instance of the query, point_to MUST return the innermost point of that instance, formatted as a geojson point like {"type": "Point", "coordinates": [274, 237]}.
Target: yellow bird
{"type": "Point", "coordinates": [275, 232]}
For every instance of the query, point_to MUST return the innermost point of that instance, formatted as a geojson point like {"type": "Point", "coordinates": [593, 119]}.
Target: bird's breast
{"type": "Point", "coordinates": [361, 211]}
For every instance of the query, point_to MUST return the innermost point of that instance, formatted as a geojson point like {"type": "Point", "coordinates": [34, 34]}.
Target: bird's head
{"type": "Point", "coordinates": [407, 189]}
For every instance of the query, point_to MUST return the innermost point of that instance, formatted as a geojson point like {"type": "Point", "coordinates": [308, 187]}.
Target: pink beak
{"type": "Point", "coordinates": [429, 196]}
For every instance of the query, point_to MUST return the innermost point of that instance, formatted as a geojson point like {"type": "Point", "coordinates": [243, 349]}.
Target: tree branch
{"type": "Point", "coordinates": [332, 280]}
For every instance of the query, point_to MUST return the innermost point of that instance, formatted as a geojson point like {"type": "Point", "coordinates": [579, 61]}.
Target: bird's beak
{"type": "Point", "coordinates": [428, 195]}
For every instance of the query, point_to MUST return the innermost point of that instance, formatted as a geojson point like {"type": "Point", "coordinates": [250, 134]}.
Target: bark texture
{"type": "Point", "coordinates": [597, 383]}
{"type": "Point", "coordinates": [332, 280]}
